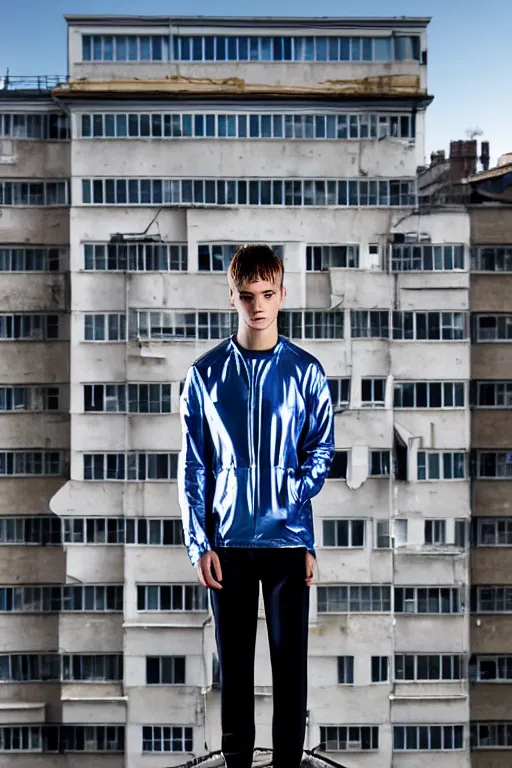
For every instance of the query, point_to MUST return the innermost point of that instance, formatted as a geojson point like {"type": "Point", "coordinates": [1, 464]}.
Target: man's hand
{"type": "Point", "coordinates": [310, 568]}
{"type": "Point", "coordinates": [204, 569]}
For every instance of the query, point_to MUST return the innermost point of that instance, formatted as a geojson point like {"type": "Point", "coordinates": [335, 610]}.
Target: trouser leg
{"type": "Point", "coordinates": [286, 597]}
{"type": "Point", "coordinates": [235, 607]}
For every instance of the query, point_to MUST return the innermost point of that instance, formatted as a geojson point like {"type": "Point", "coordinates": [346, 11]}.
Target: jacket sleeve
{"type": "Point", "coordinates": [317, 448]}
{"type": "Point", "coordinates": [192, 471]}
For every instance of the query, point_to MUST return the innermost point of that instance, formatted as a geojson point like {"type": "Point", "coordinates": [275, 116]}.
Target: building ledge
{"type": "Point", "coordinates": [21, 712]}
{"type": "Point", "coordinates": [428, 697]}
{"type": "Point", "coordinates": [101, 699]}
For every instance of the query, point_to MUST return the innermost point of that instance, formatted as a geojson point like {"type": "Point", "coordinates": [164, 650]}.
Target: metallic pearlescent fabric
{"type": "Point", "coordinates": [258, 440]}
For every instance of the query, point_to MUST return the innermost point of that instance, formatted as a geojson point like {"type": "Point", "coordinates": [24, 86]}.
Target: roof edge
{"type": "Point", "coordinates": [268, 21]}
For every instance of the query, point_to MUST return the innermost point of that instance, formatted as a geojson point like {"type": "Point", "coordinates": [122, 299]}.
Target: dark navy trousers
{"type": "Point", "coordinates": [282, 573]}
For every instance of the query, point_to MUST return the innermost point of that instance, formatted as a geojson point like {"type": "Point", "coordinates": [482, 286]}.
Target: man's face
{"type": "Point", "coordinates": [257, 303]}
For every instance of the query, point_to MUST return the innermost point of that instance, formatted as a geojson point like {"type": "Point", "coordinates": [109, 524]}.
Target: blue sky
{"type": "Point", "coordinates": [469, 44]}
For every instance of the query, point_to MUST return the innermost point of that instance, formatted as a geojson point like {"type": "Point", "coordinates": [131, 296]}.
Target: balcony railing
{"type": "Point", "coordinates": [31, 82]}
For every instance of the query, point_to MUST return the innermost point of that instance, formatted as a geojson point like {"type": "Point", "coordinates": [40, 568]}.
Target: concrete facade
{"type": "Point", "coordinates": [491, 555]}
{"type": "Point", "coordinates": [408, 574]}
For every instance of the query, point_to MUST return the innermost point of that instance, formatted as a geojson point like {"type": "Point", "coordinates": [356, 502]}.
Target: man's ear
{"type": "Point", "coordinates": [231, 298]}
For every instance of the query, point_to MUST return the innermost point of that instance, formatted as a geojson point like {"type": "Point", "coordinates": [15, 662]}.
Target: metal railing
{"type": "Point", "coordinates": [31, 82]}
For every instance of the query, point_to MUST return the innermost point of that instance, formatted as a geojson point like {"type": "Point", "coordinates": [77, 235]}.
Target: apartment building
{"type": "Point", "coordinates": [491, 373]}
{"type": "Point", "coordinates": [187, 137]}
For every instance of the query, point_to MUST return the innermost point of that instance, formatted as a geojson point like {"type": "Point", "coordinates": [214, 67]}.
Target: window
{"type": "Point", "coordinates": [493, 531]}
{"type": "Point", "coordinates": [130, 466]}
{"type": "Point", "coordinates": [345, 670]}
{"type": "Point", "coordinates": [435, 532]}
{"type": "Point", "coordinates": [490, 669]}
{"type": "Point", "coordinates": [391, 533]}
{"type": "Point", "coordinates": [29, 259]}
{"type": "Point", "coordinates": [252, 125]}
{"type": "Point", "coordinates": [135, 257]}
{"type": "Point", "coordinates": [125, 48]}
{"type": "Point", "coordinates": [105, 397]}
{"type": "Point", "coordinates": [427, 600]}
{"type": "Point", "coordinates": [30, 530]}
{"type": "Point", "coordinates": [354, 598]}
{"type": "Point", "coordinates": [373, 392]}
{"type": "Point", "coordinates": [428, 737]}
{"type": "Point", "coordinates": [493, 327]}
{"type": "Point", "coordinates": [92, 738]}
{"type": "Point", "coordinates": [353, 738]}
{"type": "Point", "coordinates": [31, 125]}
{"type": "Point", "coordinates": [489, 735]}
{"type": "Point", "coordinates": [166, 738]}
{"type": "Point", "coordinates": [381, 193]}
{"type": "Point", "coordinates": [29, 667]}
{"type": "Point", "coordinates": [370, 324]}
{"type": "Point", "coordinates": [174, 324]}
{"type": "Point", "coordinates": [491, 258]}
{"type": "Point", "coordinates": [321, 258]}
{"type": "Point", "coordinates": [93, 530]}
{"type": "Point", "coordinates": [380, 462]}
{"type": "Point", "coordinates": [27, 327]}
{"type": "Point", "coordinates": [436, 666]}
{"type": "Point", "coordinates": [142, 398]}
{"type": "Point", "coordinates": [340, 392]}
{"type": "Point", "coordinates": [20, 738]}
{"type": "Point", "coordinates": [486, 599]}
{"type": "Point", "coordinates": [300, 324]}
{"type": "Point", "coordinates": [460, 533]}
{"type": "Point", "coordinates": [421, 257]}
{"type": "Point", "coordinates": [19, 463]}
{"type": "Point", "coordinates": [165, 670]}
{"type": "Point", "coordinates": [216, 257]}
{"type": "Point", "coordinates": [49, 599]}
{"type": "Point", "coordinates": [343, 533]}
{"type": "Point", "coordinates": [105, 327]}
{"type": "Point", "coordinates": [338, 468]}
{"type": "Point", "coordinates": [29, 398]}
{"type": "Point", "coordinates": [429, 326]}
{"type": "Point", "coordinates": [449, 465]}
{"type": "Point", "coordinates": [493, 394]}
{"type": "Point", "coordinates": [167, 532]}
{"type": "Point", "coordinates": [494, 464]}
{"type": "Point", "coordinates": [380, 669]}
{"type": "Point", "coordinates": [96, 667]}
{"type": "Point", "coordinates": [172, 597]}
{"type": "Point", "coordinates": [429, 394]}
{"type": "Point", "coordinates": [34, 193]}
{"type": "Point", "coordinates": [383, 534]}
{"type": "Point", "coordinates": [119, 530]}
{"type": "Point", "coordinates": [285, 48]}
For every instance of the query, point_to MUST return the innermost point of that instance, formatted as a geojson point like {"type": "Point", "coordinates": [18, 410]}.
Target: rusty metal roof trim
{"type": "Point", "coordinates": [493, 173]}
{"type": "Point", "coordinates": [391, 86]}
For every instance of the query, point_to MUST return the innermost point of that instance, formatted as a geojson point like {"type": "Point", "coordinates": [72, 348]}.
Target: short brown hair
{"type": "Point", "coordinates": [256, 262]}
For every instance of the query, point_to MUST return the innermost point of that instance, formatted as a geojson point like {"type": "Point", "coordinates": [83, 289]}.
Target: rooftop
{"type": "Point", "coordinates": [322, 22]}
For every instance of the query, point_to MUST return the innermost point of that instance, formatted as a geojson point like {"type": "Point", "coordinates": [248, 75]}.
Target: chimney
{"type": "Point", "coordinates": [436, 158]}
{"type": "Point", "coordinates": [463, 157]}
{"type": "Point", "coordinates": [485, 156]}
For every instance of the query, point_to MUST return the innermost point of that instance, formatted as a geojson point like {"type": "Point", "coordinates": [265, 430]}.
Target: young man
{"type": "Point", "coordinates": [257, 445]}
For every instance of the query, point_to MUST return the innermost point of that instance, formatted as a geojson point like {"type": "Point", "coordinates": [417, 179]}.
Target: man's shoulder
{"type": "Point", "coordinates": [302, 356]}
{"type": "Point", "coordinates": [219, 353]}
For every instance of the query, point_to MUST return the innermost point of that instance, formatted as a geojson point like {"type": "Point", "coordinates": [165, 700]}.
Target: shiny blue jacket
{"type": "Point", "coordinates": [258, 441]}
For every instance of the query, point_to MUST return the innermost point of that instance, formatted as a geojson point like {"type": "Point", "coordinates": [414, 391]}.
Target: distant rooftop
{"type": "Point", "coordinates": [322, 22]}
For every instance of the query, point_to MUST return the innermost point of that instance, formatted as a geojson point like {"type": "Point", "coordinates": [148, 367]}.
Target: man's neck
{"type": "Point", "coordinates": [259, 341]}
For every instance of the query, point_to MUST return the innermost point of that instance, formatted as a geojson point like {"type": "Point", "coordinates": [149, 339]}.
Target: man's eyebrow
{"type": "Point", "coordinates": [249, 293]}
